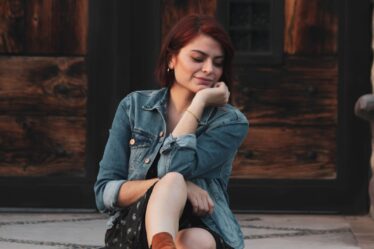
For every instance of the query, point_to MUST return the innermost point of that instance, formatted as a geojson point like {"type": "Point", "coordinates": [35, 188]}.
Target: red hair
{"type": "Point", "coordinates": [182, 33]}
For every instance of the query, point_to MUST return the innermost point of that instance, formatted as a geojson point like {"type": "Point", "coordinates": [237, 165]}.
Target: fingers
{"type": "Point", "coordinates": [210, 205]}
{"type": "Point", "coordinates": [195, 205]}
{"type": "Point", "coordinates": [225, 91]}
{"type": "Point", "coordinates": [227, 96]}
{"type": "Point", "coordinates": [201, 210]}
{"type": "Point", "coordinates": [202, 205]}
{"type": "Point", "coordinates": [220, 84]}
{"type": "Point", "coordinates": [200, 200]}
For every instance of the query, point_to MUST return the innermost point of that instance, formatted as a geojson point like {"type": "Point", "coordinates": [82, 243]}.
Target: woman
{"type": "Point", "coordinates": [165, 169]}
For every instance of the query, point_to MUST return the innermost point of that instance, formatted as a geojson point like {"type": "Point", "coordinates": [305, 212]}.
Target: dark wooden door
{"type": "Point", "coordinates": [305, 150]}
{"type": "Point", "coordinates": [43, 103]}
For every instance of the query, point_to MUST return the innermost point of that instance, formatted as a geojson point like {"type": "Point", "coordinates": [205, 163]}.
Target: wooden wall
{"type": "Point", "coordinates": [43, 87]}
{"type": "Point", "coordinates": [291, 106]}
{"type": "Point", "coordinates": [172, 11]}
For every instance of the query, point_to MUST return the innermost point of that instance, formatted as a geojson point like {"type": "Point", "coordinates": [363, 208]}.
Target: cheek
{"type": "Point", "coordinates": [187, 69]}
{"type": "Point", "coordinates": [219, 74]}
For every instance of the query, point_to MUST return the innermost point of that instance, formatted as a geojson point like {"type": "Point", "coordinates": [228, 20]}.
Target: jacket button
{"type": "Point", "coordinates": [132, 141]}
{"type": "Point", "coordinates": [147, 160]}
{"type": "Point", "coordinates": [161, 134]}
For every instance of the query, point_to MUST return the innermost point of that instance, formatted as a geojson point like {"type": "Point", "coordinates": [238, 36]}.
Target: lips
{"type": "Point", "coordinates": [205, 81]}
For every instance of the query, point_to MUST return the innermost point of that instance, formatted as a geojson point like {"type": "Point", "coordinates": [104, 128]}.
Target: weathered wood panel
{"type": "Point", "coordinates": [38, 146]}
{"type": "Point", "coordinates": [288, 153]}
{"type": "Point", "coordinates": [43, 86]}
{"type": "Point", "coordinates": [303, 91]}
{"type": "Point", "coordinates": [292, 111]}
{"type": "Point", "coordinates": [44, 26]}
{"type": "Point", "coordinates": [292, 107]}
{"type": "Point", "coordinates": [311, 27]}
{"type": "Point", "coordinates": [173, 10]}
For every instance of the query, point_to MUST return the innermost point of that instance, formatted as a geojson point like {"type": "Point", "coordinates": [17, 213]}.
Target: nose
{"type": "Point", "coordinates": [207, 66]}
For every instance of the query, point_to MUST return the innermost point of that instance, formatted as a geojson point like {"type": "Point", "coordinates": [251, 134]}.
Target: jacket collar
{"type": "Point", "coordinates": [159, 99]}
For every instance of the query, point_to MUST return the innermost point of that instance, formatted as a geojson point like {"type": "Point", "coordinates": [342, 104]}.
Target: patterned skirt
{"type": "Point", "coordinates": [128, 230]}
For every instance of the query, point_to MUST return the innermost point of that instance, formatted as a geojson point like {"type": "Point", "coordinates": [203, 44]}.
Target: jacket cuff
{"type": "Point", "coordinates": [186, 141]}
{"type": "Point", "coordinates": [110, 195]}
{"type": "Point", "coordinates": [171, 147]}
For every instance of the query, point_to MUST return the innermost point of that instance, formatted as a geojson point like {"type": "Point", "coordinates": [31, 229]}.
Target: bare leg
{"type": "Point", "coordinates": [166, 205]}
{"type": "Point", "coordinates": [195, 238]}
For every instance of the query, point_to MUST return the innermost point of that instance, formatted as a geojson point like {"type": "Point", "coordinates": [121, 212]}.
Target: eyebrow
{"type": "Point", "coordinates": [201, 52]}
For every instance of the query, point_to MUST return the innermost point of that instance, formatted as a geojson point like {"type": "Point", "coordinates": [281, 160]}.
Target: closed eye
{"type": "Point", "coordinates": [197, 59]}
{"type": "Point", "coordinates": [218, 63]}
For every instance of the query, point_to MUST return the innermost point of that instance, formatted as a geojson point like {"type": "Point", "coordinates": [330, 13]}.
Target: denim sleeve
{"type": "Point", "coordinates": [205, 155]}
{"type": "Point", "coordinates": [113, 171]}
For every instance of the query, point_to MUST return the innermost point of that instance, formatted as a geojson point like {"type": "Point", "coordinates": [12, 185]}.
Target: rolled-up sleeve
{"type": "Point", "coordinates": [205, 155]}
{"type": "Point", "coordinates": [113, 171]}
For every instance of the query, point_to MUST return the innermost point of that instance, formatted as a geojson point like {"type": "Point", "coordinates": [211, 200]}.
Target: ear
{"type": "Point", "coordinates": [172, 62]}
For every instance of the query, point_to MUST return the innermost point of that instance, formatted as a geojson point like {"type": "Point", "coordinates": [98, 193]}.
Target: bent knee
{"type": "Point", "coordinates": [173, 178]}
{"type": "Point", "coordinates": [195, 238]}
{"type": "Point", "coordinates": [173, 181]}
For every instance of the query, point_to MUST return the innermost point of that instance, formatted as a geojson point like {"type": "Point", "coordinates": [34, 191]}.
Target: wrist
{"type": "Point", "coordinates": [197, 103]}
{"type": "Point", "coordinates": [196, 109]}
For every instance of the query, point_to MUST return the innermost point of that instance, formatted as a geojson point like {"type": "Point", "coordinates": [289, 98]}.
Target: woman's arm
{"type": "Point", "coordinates": [216, 96]}
{"type": "Point", "coordinates": [112, 187]}
{"type": "Point", "coordinates": [131, 191]}
{"type": "Point", "coordinates": [113, 169]}
{"type": "Point", "coordinates": [205, 155]}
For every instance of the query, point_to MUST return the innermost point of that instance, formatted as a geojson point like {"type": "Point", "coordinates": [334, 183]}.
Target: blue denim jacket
{"type": "Point", "coordinates": [138, 133]}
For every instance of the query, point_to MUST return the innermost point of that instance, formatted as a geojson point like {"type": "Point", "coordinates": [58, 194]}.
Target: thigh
{"type": "Point", "coordinates": [195, 238]}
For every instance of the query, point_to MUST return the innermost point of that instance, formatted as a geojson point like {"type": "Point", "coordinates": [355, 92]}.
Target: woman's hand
{"type": "Point", "coordinates": [201, 202]}
{"type": "Point", "coordinates": [218, 95]}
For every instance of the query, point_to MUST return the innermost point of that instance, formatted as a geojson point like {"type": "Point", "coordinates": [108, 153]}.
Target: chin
{"type": "Point", "coordinates": [202, 87]}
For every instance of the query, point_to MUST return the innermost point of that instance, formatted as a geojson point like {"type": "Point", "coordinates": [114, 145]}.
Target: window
{"type": "Point", "coordinates": [256, 29]}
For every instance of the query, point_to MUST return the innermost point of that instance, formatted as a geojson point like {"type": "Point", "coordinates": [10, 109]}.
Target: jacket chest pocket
{"type": "Point", "coordinates": [140, 145]}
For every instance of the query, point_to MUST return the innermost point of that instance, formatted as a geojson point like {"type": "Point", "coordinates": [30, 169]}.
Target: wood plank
{"type": "Point", "coordinates": [43, 86]}
{"type": "Point", "coordinates": [40, 146]}
{"type": "Point", "coordinates": [303, 91]}
{"type": "Point", "coordinates": [311, 27]}
{"type": "Point", "coordinates": [11, 16]}
{"type": "Point", "coordinates": [287, 153]}
{"type": "Point", "coordinates": [172, 11]}
{"type": "Point", "coordinates": [44, 27]}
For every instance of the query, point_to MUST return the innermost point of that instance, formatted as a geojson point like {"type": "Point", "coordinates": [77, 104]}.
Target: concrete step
{"type": "Point", "coordinates": [86, 230]}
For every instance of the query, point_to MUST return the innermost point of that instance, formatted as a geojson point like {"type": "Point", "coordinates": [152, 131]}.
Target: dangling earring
{"type": "Point", "coordinates": [168, 70]}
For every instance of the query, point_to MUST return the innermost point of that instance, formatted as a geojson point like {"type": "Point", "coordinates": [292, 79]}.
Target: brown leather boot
{"type": "Point", "coordinates": [163, 240]}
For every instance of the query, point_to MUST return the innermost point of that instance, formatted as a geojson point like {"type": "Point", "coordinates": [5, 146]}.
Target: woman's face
{"type": "Point", "coordinates": [199, 64]}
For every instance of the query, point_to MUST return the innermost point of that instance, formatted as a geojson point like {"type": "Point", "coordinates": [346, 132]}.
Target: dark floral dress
{"type": "Point", "coordinates": [129, 232]}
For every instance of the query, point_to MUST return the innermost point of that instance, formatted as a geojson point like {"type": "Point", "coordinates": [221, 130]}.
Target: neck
{"type": "Point", "coordinates": [180, 98]}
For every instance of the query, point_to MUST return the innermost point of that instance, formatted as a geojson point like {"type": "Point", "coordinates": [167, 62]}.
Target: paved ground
{"type": "Point", "coordinates": [86, 230]}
